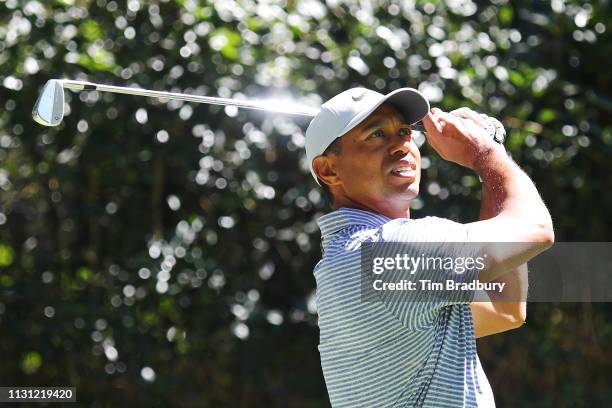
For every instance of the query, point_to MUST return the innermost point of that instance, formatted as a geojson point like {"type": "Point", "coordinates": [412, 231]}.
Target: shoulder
{"type": "Point", "coordinates": [423, 229]}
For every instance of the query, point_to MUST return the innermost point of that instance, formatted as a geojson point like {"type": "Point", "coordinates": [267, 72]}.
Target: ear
{"type": "Point", "coordinates": [325, 168]}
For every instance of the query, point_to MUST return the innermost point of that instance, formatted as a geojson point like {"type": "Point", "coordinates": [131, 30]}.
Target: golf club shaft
{"type": "Point", "coordinates": [280, 107]}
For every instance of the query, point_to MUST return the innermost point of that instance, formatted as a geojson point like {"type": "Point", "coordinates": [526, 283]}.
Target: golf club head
{"type": "Point", "coordinates": [49, 107]}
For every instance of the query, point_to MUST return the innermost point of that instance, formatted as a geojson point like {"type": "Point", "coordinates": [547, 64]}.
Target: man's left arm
{"type": "Point", "coordinates": [496, 312]}
{"type": "Point", "coordinates": [493, 311]}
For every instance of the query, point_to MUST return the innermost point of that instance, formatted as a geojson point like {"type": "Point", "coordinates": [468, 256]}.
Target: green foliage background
{"type": "Point", "coordinates": [157, 253]}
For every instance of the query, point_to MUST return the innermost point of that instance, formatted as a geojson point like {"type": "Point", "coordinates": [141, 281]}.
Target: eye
{"type": "Point", "coordinates": [405, 132]}
{"type": "Point", "coordinates": [378, 133]}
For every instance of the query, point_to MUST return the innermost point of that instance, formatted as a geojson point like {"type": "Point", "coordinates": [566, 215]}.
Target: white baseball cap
{"type": "Point", "coordinates": [348, 109]}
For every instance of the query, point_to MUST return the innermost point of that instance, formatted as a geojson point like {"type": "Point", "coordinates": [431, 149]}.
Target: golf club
{"type": "Point", "coordinates": [49, 107]}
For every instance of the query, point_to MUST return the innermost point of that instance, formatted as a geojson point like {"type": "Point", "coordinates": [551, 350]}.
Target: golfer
{"type": "Point", "coordinates": [361, 151]}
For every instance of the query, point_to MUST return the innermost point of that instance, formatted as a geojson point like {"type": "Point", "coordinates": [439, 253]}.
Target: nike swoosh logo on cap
{"type": "Point", "coordinates": [359, 97]}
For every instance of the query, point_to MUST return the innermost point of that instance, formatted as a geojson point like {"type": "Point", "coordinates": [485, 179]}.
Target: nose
{"type": "Point", "coordinates": [400, 145]}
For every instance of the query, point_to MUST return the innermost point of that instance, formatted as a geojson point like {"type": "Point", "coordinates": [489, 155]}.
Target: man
{"type": "Point", "coordinates": [360, 149]}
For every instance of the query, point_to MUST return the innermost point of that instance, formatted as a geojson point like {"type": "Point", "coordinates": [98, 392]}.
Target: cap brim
{"type": "Point", "coordinates": [410, 102]}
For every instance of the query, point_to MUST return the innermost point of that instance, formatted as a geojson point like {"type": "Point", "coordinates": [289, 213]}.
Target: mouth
{"type": "Point", "coordinates": [404, 169]}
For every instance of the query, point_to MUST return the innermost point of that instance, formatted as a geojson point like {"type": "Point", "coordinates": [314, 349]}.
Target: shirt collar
{"type": "Point", "coordinates": [346, 217]}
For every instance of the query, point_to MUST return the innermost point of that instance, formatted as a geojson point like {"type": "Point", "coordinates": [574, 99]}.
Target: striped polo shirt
{"type": "Point", "coordinates": [373, 355]}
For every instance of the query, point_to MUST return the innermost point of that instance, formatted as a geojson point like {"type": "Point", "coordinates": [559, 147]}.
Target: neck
{"type": "Point", "coordinates": [387, 209]}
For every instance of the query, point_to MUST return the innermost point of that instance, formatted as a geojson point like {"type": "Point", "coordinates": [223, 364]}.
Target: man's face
{"type": "Point", "coordinates": [379, 164]}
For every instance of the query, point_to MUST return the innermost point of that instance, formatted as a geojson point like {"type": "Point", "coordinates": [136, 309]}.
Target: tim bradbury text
{"type": "Point", "coordinates": [428, 285]}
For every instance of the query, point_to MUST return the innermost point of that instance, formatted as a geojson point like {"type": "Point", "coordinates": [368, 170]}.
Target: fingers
{"type": "Point", "coordinates": [451, 121]}
{"type": "Point", "coordinates": [468, 113]}
{"type": "Point", "coordinates": [493, 127]}
{"type": "Point", "coordinates": [437, 120]}
{"type": "Point", "coordinates": [431, 122]}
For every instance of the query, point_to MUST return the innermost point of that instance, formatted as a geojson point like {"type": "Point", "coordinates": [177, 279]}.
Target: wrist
{"type": "Point", "coordinates": [489, 159]}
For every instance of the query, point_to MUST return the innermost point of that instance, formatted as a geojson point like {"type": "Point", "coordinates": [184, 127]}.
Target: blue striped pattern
{"type": "Point", "coordinates": [374, 355]}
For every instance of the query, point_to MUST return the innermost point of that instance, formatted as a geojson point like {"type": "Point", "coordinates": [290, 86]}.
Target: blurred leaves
{"type": "Point", "coordinates": [31, 362]}
{"type": "Point", "coordinates": [225, 41]}
{"type": "Point", "coordinates": [161, 253]}
{"type": "Point", "coordinates": [6, 255]}
{"type": "Point", "coordinates": [91, 30]}
{"type": "Point", "coordinates": [97, 59]}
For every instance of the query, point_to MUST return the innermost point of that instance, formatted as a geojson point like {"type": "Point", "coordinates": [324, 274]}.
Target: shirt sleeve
{"type": "Point", "coordinates": [428, 252]}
